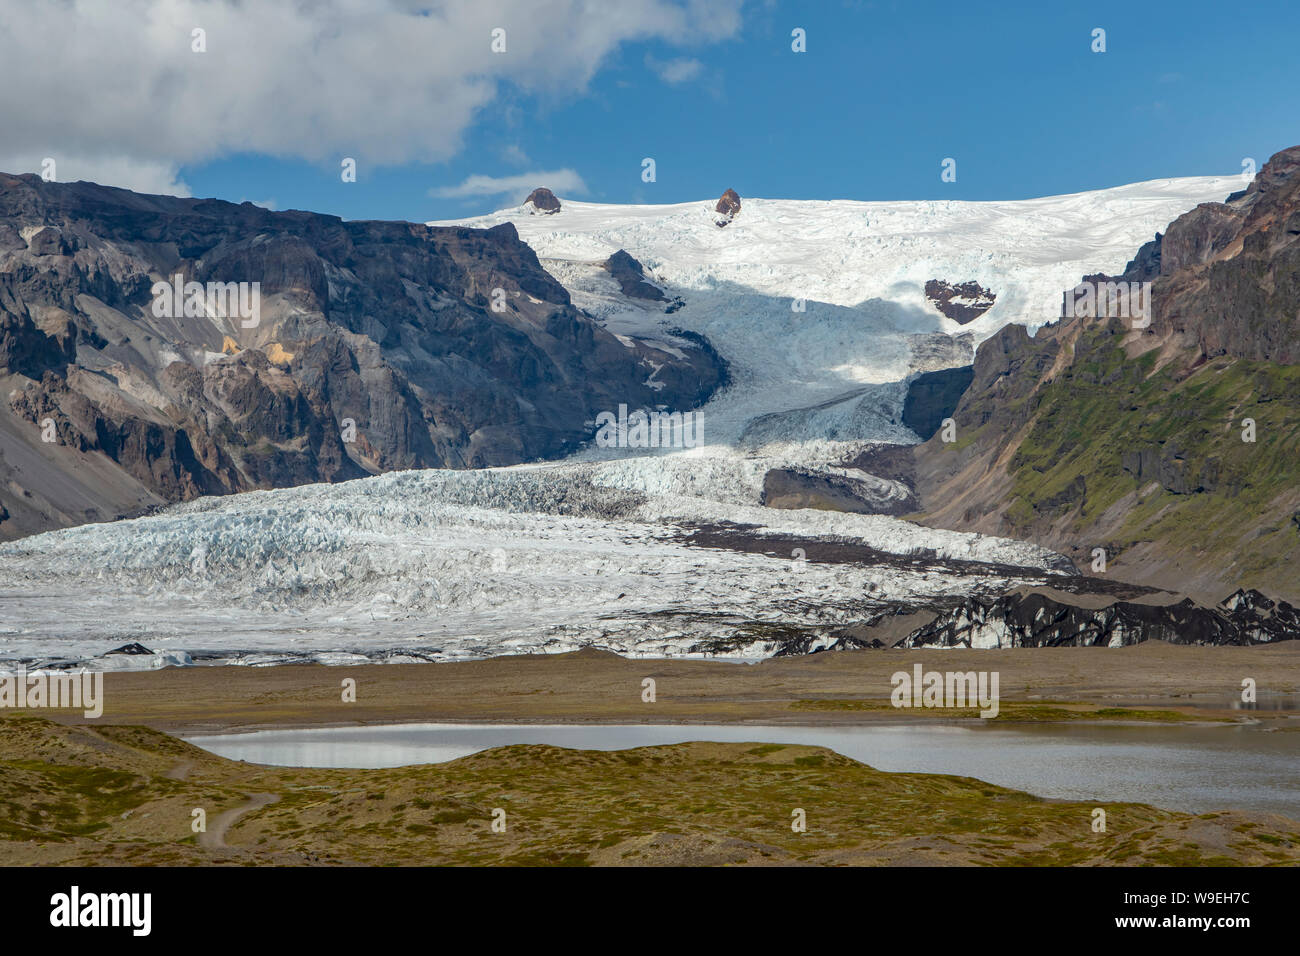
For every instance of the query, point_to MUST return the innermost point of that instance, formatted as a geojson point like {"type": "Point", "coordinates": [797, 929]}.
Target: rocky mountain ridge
{"type": "Point", "coordinates": [376, 346]}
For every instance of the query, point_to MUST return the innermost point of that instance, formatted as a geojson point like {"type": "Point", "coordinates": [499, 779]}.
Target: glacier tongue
{"type": "Point", "coordinates": [602, 549]}
{"type": "Point", "coordinates": [446, 564]}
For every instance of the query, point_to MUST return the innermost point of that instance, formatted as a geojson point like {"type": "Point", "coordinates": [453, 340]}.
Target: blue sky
{"type": "Point", "coordinates": [885, 92]}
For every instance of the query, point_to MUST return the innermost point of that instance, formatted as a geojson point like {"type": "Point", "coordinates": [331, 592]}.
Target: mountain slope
{"type": "Point", "coordinates": [376, 346]}
{"type": "Point", "coordinates": [1095, 433]}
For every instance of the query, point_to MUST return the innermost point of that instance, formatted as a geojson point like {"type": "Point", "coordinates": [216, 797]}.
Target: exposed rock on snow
{"type": "Point", "coordinates": [631, 277]}
{"type": "Point", "coordinates": [134, 648]}
{"type": "Point", "coordinates": [728, 207]}
{"type": "Point", "coordinates": [963, 302]}
{"type": "Point", "coordinates": [542, 200]}
{"type": "Point", "coordinates": [826, 490]}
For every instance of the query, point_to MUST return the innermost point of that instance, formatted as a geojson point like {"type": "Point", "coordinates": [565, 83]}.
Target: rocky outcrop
{"type": "Point", "coordinates": [44, 241]}
{"type": "Point", "coordinates": [1230, 272]}
{"type": "Point", "coordinates": [375, 346]}
{"type": "Point", "coordinates": [156, 452]}
{"type": "Point", "coordinates": [26, 349]}
{"type": "Point", "coordinates": [542, 200]}
{"type": "Point", "coordinates": [631, 277]}
{"type": "Point", "coordinates": [728, 207]}
{"type": "Point", "coordinates": [830, 491]}
{"type": "Point", "coordinates": [932, 397]}
{"type": "Point", "coordinates": [962, 302]}
{"type": "Point", "coordinates": [1037, 620]}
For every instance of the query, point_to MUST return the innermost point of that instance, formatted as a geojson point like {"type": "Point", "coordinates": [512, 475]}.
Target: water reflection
{"type": "Point", "coordinates": [1194, 769]}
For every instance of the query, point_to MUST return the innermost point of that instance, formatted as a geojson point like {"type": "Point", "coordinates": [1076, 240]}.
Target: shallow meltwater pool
{"type": "Point", "coordinates": [1194, 769]}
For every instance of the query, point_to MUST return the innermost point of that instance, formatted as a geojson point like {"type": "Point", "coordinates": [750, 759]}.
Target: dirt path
{"type": "Point", "coordinates": [215, 837]}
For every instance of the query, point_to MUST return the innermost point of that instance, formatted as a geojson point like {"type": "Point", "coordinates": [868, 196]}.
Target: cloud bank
{"type": "Point", "coordinates": [116, 92]}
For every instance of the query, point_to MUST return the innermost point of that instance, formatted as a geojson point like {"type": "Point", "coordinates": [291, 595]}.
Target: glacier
{"type": "Point", "coordinates": [603, 549]}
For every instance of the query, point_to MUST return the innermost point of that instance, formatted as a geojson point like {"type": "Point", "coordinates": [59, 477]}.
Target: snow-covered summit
{"type": "Point", "coordinates": [811, 300]}
{"type": "Point", "coordinates": [847, 252]}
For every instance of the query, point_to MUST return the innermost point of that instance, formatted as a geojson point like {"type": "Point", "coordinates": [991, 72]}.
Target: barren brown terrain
{"type": "Point", "coordinates": [593, 686]}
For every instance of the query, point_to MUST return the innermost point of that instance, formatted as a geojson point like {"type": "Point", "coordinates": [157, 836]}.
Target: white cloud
{"type": "Point", "coordinates": [116, 88]}
{"type": "Point", "coordinates": [140, 175]}
{"type": "Point", "coordinates": [515, 156]}
{"type": "Point", "coordinates": [562, 182]}
{"type": "Point", "coordinates": [673, 72]}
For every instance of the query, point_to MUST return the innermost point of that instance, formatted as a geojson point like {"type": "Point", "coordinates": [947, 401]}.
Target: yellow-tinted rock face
{"type": "Point", "coordinates": [276, 353]}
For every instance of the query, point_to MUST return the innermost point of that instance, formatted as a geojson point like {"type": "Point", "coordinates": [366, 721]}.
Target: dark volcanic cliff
{"type": "Point", "coordinates": [378, 346]}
